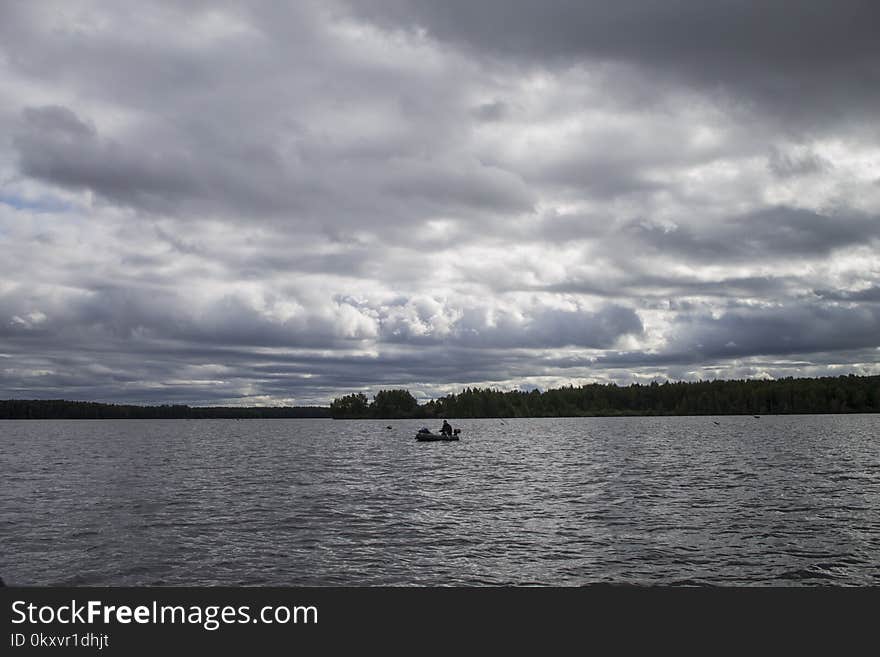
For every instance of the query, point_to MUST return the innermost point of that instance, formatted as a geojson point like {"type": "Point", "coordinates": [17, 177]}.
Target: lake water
{"type": "Point", "coordinates": [784, 500]}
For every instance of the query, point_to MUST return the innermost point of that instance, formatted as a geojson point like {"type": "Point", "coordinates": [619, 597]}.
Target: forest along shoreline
{"type": "Point", "coordinates": [843, 394]}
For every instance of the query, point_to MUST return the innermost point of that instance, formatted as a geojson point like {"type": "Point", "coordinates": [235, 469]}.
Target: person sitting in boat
{"type": "Point", "coordinates": [446, 430]}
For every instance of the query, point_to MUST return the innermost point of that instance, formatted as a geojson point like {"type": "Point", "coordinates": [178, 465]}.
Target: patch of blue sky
{"type": "Point", "coordinates": [43, 204]}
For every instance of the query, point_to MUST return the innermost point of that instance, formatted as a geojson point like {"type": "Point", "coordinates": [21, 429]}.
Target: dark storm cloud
{"type": "Point", "coordinates": [601, 176]}
{"type": "Point", "coordinates": [800, 59]}
{"type": "Point", "coordinates": [773, 232]}
{"type": "Point", "coordinates": [540, 328]}
{"type": "Point", "coordinates": [57, 146]}
{"type": "Point", "coordinates": [869, 295]}
{"type": "Point", "coordinates": [476, 186]}
{"type": "Point", "coordinates": [786, 165]}
{"type": "Point", "coordinates": [775, 331]}
{"type": "Point", "coordinates": [817, 330]}
{"type": "Point", "coordinates": [494, 111]}
{"type": "Point", "coordinates": [125, 313]}
{"type": "Point", "coordinates": [689, 366]}
{"type": "Point", "coordinates": [647, 285]}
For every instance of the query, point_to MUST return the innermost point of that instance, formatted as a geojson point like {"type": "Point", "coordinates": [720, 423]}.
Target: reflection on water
{"type": "Point", "coordinates": [777, 500]}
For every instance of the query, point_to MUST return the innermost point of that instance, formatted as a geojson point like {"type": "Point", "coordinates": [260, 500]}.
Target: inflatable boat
{"type": "Point", "coordinates": [426, 436]}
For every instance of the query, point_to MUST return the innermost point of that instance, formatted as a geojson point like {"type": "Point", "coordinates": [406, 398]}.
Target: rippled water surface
{"type": "Point", "coordinates": [730, 500]}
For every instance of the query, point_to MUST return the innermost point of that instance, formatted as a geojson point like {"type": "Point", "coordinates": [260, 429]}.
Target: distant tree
{"type": "Point", "coordinates": [350, 406]}
{"type": "Point", "coordinates": [394, 404]}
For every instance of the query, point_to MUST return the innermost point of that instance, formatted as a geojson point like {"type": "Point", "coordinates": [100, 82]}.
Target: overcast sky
{"type": "Point", "coordinates": [234, 203]}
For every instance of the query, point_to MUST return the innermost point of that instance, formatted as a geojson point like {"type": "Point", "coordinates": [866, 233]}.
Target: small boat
{"type": "Point", "coordinates": [426, 435]}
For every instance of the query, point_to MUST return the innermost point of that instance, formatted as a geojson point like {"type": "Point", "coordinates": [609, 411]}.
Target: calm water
{"type": "Point", "coordinates": [790, 500]}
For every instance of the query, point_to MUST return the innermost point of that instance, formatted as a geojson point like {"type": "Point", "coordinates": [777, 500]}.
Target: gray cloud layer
{"type": "Point", "coordinates": [803, 60]}
{"type": "Point", "coordinates": [239, 203]}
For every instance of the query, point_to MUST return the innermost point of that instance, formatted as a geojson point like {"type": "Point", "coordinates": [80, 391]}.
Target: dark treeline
{"type": "Point", "coordinates": [844, 394]}
{"type": "Point", "coordinates": [59, 409]}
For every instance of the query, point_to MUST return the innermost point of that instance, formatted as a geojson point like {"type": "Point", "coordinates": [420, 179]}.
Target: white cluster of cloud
{"type": "Point", "coordinates": [242, 203]}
